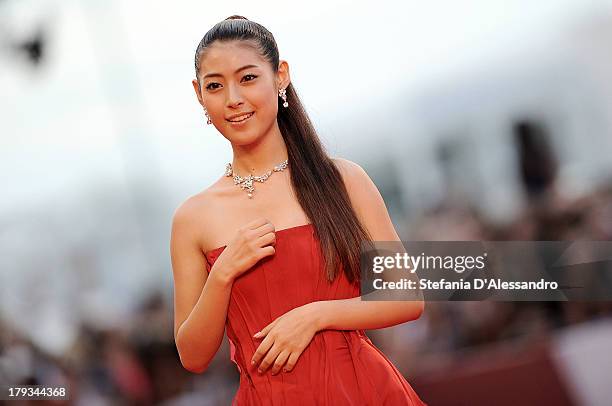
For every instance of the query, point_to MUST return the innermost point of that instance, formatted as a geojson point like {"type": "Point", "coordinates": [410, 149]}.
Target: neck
{"type": "Point", "coordinates": [261, 155]}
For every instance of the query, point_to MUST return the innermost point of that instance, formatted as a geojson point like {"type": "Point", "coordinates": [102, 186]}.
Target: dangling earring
{"type": "Point", "coordinates": [208, 120]}
{"type": "Point", "coordinates": [283, 95]}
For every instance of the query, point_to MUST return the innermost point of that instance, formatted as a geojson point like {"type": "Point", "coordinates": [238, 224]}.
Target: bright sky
{"type": "Point", "coordinates": [118, 79]}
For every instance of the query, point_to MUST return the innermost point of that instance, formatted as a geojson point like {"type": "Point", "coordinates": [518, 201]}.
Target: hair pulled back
{"type": "Point", "coordinates": [315, 179]}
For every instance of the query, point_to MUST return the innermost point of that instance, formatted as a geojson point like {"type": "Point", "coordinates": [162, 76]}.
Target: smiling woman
{"type": "Point", "coordinates": [279, 268]}
{"type": "Point", "coordinates": [231, 98]}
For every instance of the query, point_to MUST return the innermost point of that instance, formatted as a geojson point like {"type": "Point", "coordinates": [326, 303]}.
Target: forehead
{"type": "Point", "coordinates": [226, 57]}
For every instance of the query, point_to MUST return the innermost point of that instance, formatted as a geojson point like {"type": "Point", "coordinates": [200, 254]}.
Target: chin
{"type": "Point", "coordinates": [244, 139]}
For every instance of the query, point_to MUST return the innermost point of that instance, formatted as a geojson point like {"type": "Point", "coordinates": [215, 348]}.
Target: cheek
{"type": "Point", "coordinates": [263, 100]}
{"type": "Point", "coordinates": [215, 107]}
{"type": "Point", "coordinates": [266, 106]}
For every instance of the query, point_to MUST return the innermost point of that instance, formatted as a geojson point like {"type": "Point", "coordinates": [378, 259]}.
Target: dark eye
{"type": "Point", "coordinates": [209, 86]}
{"type": "Point", "coordinates": [250, 74]}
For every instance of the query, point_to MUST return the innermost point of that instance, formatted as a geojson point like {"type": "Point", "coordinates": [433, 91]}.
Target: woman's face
{"type": "Point", "coordinates": [235, 79]}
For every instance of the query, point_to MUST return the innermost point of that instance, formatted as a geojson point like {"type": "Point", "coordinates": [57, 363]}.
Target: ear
{"type": "Point", "coordinates": [283, 77]}
{"type": "Point", "coordinates": [196, 87]}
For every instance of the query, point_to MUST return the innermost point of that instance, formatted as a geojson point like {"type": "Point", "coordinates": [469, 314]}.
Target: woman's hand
{"type": "Point", "coordinates": [251, 243]}
{"type": "Point", "coordinates": [285, 339]}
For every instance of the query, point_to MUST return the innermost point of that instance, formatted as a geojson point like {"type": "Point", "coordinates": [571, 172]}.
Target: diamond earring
{"type": "Point", "coordinates": [208, 120]}
{"type": "Point", "coordinates": [282, 93]}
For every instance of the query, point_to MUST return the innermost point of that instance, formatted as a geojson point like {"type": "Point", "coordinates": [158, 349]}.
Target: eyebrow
{"type": "Point", "coordinates": [208, 75]}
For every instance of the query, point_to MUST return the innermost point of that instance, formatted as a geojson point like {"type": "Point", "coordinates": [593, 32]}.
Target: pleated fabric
{"type": "Point", "coordinates": [338, 367]}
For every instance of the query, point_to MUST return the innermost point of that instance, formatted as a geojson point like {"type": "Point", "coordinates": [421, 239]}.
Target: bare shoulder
{"type": "Point", "coordinates": [189, 209]}
{"type": "Point", "coordinates": [349, 170]}
{"type": "Point", "coordinates": [193, 215]}
{"type": "Point", "coordinates": [193, 207]}
{"type": "Point", "coordinates": [358, 184]}
{"type": "Point", "coordinates": [185, 221]}
{"type": "Point", "coordinates": [366, 199]}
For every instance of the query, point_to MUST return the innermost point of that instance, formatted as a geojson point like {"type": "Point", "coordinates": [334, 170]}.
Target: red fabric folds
{"type": "Point", "coordinates": [339, 367]}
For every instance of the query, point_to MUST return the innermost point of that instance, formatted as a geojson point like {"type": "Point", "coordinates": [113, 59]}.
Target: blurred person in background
{"type": "Point", "coordinates": [274, 256]}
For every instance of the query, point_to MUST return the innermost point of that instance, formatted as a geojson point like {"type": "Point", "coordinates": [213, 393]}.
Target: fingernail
{"type": "Point", "coordinates": [260, 370]}
{"type": "Point", "coordinates": [252, 362]}
{"type": "Point", "coordinates": [257, 334]}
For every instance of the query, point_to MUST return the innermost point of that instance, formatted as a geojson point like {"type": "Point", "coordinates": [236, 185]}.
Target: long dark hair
{"type": "Point", "coordinates": [315, 179]}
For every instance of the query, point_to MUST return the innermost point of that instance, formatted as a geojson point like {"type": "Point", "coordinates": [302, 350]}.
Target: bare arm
{"type": "Point", "coordinates": [287, 336]}
{"type": "Point", "coordinates": [349, 314]}
{"type": "Point", "coordinates": [355, 314]}
{"type": "Point", "coordinates": [200, 299]}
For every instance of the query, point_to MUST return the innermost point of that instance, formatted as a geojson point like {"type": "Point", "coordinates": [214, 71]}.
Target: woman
{"type": "Point", "coordinates": [275, 258]}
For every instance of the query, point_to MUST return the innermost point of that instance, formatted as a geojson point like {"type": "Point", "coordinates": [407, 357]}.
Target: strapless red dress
{"type": "Point", "coordinates": [338, 367]}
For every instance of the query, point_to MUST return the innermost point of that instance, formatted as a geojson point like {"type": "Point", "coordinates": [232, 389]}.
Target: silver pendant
{"type": "Point", "coordinates": [246, 183]}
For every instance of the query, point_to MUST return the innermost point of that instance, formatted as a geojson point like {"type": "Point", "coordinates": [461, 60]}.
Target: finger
{"type": "Point", "coordinates": [280, 361]}
{"type": "Point", "coordinates": [290, 364]}
{"type": "Point", "coordinates": [262, 350]}
{"type": "Point", "coordinates": [266, 251]}
{"type": "Point", "coordinates": [265, 330]}
{"type": "Point", "coordinates": [269, 358]}
{"type": "Point", "coordinates": [266, 240]}
{"type": "Point", "coordinates": [264, 229]}
{"type": "Point", "coordinates": [258, 222]}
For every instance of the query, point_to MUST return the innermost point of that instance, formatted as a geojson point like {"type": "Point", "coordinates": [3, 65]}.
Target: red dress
{"type": "Point", "coordinates": [338, 367]}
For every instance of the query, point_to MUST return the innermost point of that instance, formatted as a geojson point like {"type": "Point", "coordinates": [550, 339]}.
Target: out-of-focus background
{"type": "Point", "coordinates": [478, 120]}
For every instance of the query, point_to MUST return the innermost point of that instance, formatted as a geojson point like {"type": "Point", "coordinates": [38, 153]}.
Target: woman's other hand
{"type": "Point", "coordinates": [285, 339]}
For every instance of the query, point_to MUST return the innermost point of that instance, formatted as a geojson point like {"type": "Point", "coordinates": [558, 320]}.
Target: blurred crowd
{"type": "Point", "coordinates": [448, 327]}
{"type": "Point", "coordinates": [133, 365]}
{"type": "Point", "coordinates": [137, 363]}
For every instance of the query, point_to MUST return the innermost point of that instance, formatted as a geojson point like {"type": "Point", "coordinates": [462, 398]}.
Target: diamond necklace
{"type": "Point", "coordinates": [246, 183]}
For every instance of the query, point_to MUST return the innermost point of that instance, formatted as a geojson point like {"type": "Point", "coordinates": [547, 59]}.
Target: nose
{"type": "Point", "coordinates": [234, 97]}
